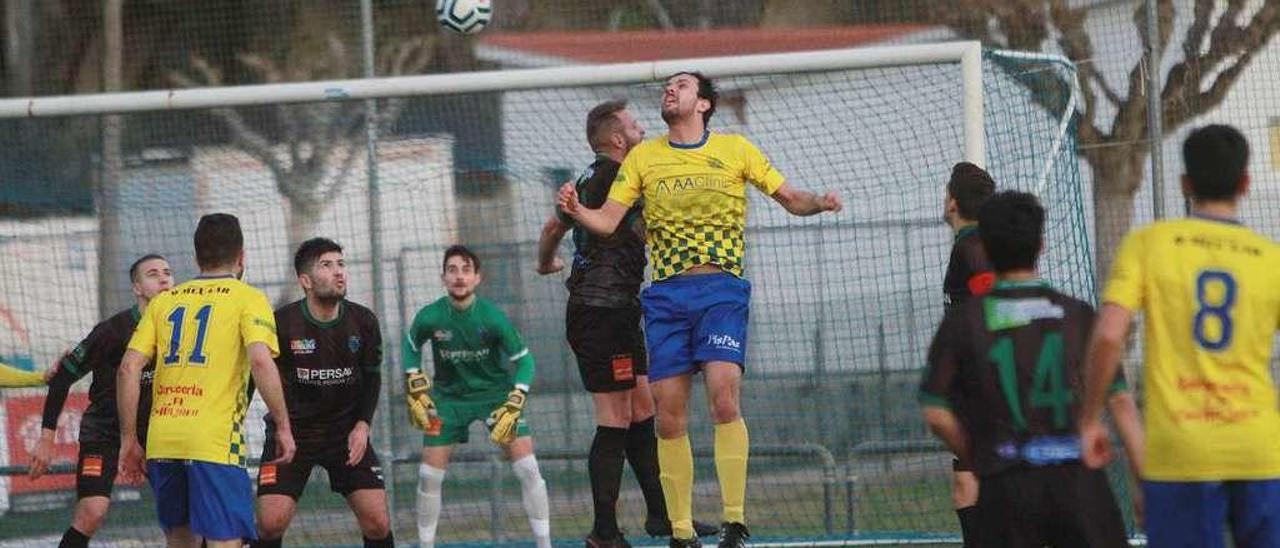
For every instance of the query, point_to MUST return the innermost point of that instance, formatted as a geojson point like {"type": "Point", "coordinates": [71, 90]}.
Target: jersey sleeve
{"type": "Point", "coordinates": [371, 362]}
{"type": "Point", "coordinates": [1125, 287]}
{"type": "Point", "coordinates": [626, 188]}
{"type": "Point", "coordinates": [936, 387]}
{"type": "Point", "coordinates": [759, 170]}
{"type": "Point", "coordinates": [514, 349]}
{"type": "Point", "coordinates": [411, 347]}
{"type": "Point", "coordinates": [143, 340]}
{"type": "Point", "coordinates": [258, 322]}
{"type": "Point", "coordinates": [12, 377]}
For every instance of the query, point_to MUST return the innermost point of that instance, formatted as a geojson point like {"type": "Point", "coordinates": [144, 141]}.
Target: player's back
{"type": "Point", "coordinates": [1210, 293]}
{"type": "Point", "coordinates": [1018, 354]}
{"type": "Point", "coordinates": [198, 332]}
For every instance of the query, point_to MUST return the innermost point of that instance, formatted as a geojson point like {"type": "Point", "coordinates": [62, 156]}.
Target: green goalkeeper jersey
{"type": "Point", "coordinates": [478, 354]}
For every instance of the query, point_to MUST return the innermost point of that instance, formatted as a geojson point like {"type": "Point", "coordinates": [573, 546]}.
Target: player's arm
{"type": "Point", "coordinates": [553, 232]}
{"type": "Point", "coordinates": [937, 387]}
{"type": "Point", "coordinates": [602, 222]}
{"type": "Point", "coordinates": [422, 409]}
{"type": "Point", "coordinates": [266, 378]}
{"type": "Point", "coordinates": [67, 371]}
{"type": "Point", "coordinates": [12, 377]}
{"type": "Point", "coordinates": [370, 386]}
{"type": "Point", "coordinates": [805, 203]}
{"type": "Point", "coordinates": [504, 420]}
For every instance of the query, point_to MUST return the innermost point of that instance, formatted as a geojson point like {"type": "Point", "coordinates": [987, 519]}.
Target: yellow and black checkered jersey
{"type": "Point", "coordinates": [695, 199]}
{"type": "Point", "coordinates": [1210, 295]}
{"type": "Point", "coordinates": [198, 332]}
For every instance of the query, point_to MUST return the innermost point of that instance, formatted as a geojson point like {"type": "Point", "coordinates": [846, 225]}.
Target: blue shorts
{"type": "Point", "coordinates": [1192, 514]}
{"type": "Point", "coordinates": [215, 500]}
{"type": "Point", "coordinates": [693, 319]}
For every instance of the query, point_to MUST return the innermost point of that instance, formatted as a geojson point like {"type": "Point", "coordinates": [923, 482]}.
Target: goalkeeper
{"type": "Point", "coordinates": [482, 372]}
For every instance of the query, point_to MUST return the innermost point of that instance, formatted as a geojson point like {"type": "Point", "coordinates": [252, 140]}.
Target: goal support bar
{"type": "Point", "coordinates": [968, 55]}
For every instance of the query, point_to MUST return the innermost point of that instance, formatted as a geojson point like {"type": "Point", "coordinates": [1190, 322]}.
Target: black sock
{"type": "Point", "coordinates": [264, 543]}
{"type": "Point", "coordinates": [74, 539]}
{"type": "Point", "coordinates": [604, 466]}
{"type": "Point", "coordinates": [386, 542]}
{"type": "Point", "coordinates": [642, 453]}
{"type": "Point", "coordinates": [968, 525]}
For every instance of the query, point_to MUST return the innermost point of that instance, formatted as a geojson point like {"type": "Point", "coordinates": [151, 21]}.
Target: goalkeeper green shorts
{"type": "Point", "coordinates": [456, 418]}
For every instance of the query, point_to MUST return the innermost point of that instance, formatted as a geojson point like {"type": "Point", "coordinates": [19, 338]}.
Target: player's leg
{"type": "Point", "coordinates": [221, 504]}
{"type": "Point", "coordinates": [1010, 510]}
{"type": "Point", "coordinates": [675, 454]}
{"type": "Point", "coordinates": [720, 339]}
{"type": "Point", "coordinates": [964, 498]}
{"type": "Point", "coordinates": [1255, 513]}
{"type": "Point", "coordinates": [533, 489]}
{"type": "Point", "coordinates": [363, 488]}
{"type": "Point", "coordinates": [607, 368]}
{"type": "Point", "coordinates": [435, 460]}
{"type": "Point", "coordinates": [279, 488]}
{"type": "Point", "coordinates": [1183, 514]}
{"type": "Point", "coordinates": [95, 476]}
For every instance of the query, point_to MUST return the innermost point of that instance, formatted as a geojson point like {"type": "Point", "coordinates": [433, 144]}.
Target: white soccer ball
{"type": "Point", "coordinates": [464, 16]}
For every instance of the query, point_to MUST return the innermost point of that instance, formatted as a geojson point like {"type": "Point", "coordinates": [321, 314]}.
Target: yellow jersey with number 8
{"type": "Point", "coordinates": [198, 333]}
{"type": "Point", "coordinates": [1209, 291]}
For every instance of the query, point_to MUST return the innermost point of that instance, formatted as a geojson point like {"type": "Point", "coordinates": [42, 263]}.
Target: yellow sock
{"type": "Point", "coordinates": [732, 445]}
{"type": "Point", "coordinates": [675, 460]}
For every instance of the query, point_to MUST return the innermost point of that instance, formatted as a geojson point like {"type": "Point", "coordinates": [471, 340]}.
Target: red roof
{"type": "Point", "coordinates": [648, 45]}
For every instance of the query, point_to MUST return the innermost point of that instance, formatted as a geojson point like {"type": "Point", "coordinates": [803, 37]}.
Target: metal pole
{"type": "Point", "coordinates": [387, 425]}
{"type": "Point", "coordinates": [1155, 120]}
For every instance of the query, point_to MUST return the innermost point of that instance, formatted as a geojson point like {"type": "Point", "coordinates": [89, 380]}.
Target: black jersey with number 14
{"type": "Point", "coordinates": [1010, 365]}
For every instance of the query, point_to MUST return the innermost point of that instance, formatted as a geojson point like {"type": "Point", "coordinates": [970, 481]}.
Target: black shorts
{"type": "Point", "coordinates": [1057, 505]}
{"type": "Point", "coordinates": [291, 478]}
{"type": "Point", "coordinates": [609, 345]}
{"type": "Point", "coordinates": [96, 469]}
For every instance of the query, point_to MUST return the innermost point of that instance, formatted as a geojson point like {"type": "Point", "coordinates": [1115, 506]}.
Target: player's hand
{"type": "Point", "coordinates": [567, 199]}
{"type": "Point", "coordinates": [502, 421]}
{"type": "Point", "coordinates": [1095, 448]}
{"type": "Point", "coordinates": [285, 447]}
{"type": "Point", "coordinates": [421, 408]}
{"type": "Point", "coordinates": [556, 265]}
{"type": "Point", "coordinates": [43, 455]}
{"type": "Point", "coordinates": [1139, 504]}
{"type": "Point", "coordinates": [831, 202]}
{"type": "Point", "coordinates": [357, 443]}
{"type": "Point", "coordinates": [132, 461]}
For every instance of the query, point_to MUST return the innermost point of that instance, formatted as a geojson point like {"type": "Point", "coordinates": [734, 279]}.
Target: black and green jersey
{"type": "Point", "coordinates": [607, 272]}
{"type": "Point", "coordinates": [478, 354]}
{"type": "Point", "coordinates": [1010, 365]}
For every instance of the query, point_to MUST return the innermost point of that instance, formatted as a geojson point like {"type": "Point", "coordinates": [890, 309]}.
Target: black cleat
{"type": "Point", "coordinates": [619, 541]}
{"type": "Point", "coordinates": [733, 535]}
{"type": "Point", "coordinates": [685, 543]}
{"type": "Point", "coordinates": [662, 528]}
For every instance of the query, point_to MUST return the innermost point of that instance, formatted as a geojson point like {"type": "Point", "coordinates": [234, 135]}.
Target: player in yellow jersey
{"type": "Point", "coordinates": [1209, 292]}
{"type": "Point", "coordinates": [207, 336]}
{"type": "Point", "coordinates": [694, 185]}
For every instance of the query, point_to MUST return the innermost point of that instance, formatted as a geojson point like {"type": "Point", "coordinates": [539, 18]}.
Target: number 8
{"type": "Point", "coordinates": [1220, 311]}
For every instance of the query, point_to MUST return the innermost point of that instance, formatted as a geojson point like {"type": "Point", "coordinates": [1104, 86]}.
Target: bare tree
{"type": "Point", "coordinates": [1216, 48]}
{"type": "Point", "coordinates": [318, 143]}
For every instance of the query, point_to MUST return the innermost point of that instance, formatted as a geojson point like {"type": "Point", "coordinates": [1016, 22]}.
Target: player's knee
{"type": "Point", "coordinates": [89, 516]}
{"type": "Point", "coordinates": [671, 424]}
{"type": "Point", "coordinates": [430, 479]}
{"type": "Point", "coordinates": [375, 525]}
{"type": "Point", "coordinates": [272, 525]}
{"type": "Point", "coordinates": [724, 407]}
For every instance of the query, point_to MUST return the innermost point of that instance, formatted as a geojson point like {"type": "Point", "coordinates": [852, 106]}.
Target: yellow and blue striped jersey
{"type": "Point", "coordinates": [198, 332]}
{"type": "Point", "coordinates": [1210, 295]}
{"type": "Point", "coordinates": [695, 201]}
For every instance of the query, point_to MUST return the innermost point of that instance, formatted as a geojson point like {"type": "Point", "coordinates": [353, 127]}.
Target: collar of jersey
{"type": "Point", "coordinates": [965, 231]}
{"type": "Point", "coordinates": [218, 277]}
{"type": "Point", "coordinates": [306, 313]}
{"type": "Point", "coordinates": [137, 314]}
{"type": "Point", "coordinates": [1216, 219]}
{"type": "Point", "coordinates": [706, 134]}
{"type": "Point", "coordinates": [1023, 284]}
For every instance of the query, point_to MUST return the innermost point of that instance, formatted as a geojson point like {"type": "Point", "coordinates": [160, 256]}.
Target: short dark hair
{"type": "Point", "coordinates": [706, 90]}
{"type": "Point", "coordinates": [310, 251]}
{"type": "Point", "coordinates": [970, 186]}
{"type": "Point", "coordinates": [218, 240]}
{"type": "Point", "coordinates": [602, 120]}
{"type": "Point", "coordinates": [459, 250]}
{"type": "Point", "coordinates": [133, 268]}
{"type": "Point", "coordinates": [1216, 159]}
{"type": "Point", "coordinates": [1011, 226]}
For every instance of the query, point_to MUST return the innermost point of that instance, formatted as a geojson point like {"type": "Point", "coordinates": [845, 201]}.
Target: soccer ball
{"type": "Point", "coordinates": [464, 16]}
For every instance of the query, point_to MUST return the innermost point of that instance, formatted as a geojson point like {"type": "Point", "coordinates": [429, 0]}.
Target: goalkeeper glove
{"type": "Point", "coordinates": [502, 421]}
{"type": "Point", "coordinates": [422, 411]}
